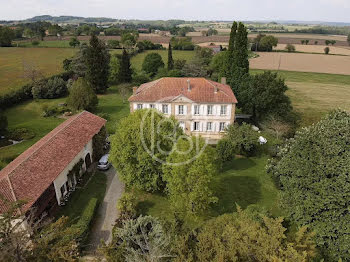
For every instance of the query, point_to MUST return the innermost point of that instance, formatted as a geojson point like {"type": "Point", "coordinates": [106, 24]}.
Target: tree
{"type": "Point", "coordinates": [267, 43]}
{"type": "Point", "coordinates": [240, 140]}
{"type": "Point", "coordinates": [170, 58]}
{"type": "Point", "coordinates": [348, 39]}
{"type": "Point", "coordinates": [290, 48]}
{"type": "Point", "coordinates": [277, 126]}
{"type": "Point", "coordinates": [74, 42]}
{"type": "Point", "coordinates": [326, 50]}
{"type": "Point", "coordinates": [333, 42]}
{"type": "Point", "coordinates": [307, 41]}
{"type": "Point", "coordinates": [249, 235]}
{"type": "Point", "coordinates": [142, 239]}
{"type": "Point", "coordinates": [265, 95]}
{"type": "Point", "coordinates": [6, 36]}
{"type": "Point", "coordinates": [114, 69]}
{"type": "Point", "coordinates": [97, 58]}
{"type": "Point", "coordinates": [125, 71]}
{"type": "Point", "coordinates": [152, 63]}
{"type": "Point", "coordinates": [188, 173]}
{"type": "Point", "coordinates": [302, 41]}
{"type": "Point", "coordinates": [137, 149]}
{"type": "Point", "coordinates": [313, 170]}
{"type": "Point", "coordinates": [327, 42]}
{"type": "Point", "coordinates": [114, 44]}
{"type": "Point", "coordinates": [129, 40]}
{"type": "Point", "coordinates": [48, 89]}
{"type": "Point", "coordinates": [82, 96]}
{"type": "Point", "coordinates": [316, 42]}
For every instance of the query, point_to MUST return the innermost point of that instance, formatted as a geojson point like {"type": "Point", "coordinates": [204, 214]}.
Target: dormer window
{"type": "Point", "coordinates": [196, 110]}
{"type": "Point", "coordinates": [223, 110]}
{"type": "Point", "coordinates": [181, 109]}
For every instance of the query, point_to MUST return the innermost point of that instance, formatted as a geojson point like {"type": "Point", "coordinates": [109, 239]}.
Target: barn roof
{"type": "Point", "coordinates": [30, 174]}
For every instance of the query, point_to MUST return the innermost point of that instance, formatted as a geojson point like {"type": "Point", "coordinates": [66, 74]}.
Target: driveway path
{"type": "Point", "coordinates": [107, 212]}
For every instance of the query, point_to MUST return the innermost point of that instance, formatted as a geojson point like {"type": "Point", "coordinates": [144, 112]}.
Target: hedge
{"type": "Point", "coordinates": [83, 226]}
{"type": "Point", "coordinates": [25, 92]}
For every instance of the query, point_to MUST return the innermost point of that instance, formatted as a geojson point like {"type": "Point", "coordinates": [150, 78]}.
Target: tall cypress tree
{"type": "Point", "coordinates": [125, 72]}
{"type": "Point", "coordinates": [237, 60]}
{"type": "Point", "coordinates": [97, 58]}
{"type": "Point", "coordinates": [170, 58]}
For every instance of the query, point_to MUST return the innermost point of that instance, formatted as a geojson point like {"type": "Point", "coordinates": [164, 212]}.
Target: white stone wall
{"type": "Point", "coordinates": [63, 177]}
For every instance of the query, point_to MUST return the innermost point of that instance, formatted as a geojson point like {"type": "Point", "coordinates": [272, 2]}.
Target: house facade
{"type": "Point", "coordinates": [202, 107]}
{"type": "Point", "coordinates": [46, 172]}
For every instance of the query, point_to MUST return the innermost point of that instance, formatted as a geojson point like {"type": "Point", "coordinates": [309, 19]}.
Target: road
{"type": "Point", "coordinates": [107, 212]}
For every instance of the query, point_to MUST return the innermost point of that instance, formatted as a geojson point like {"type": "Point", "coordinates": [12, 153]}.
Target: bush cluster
{"type": "Point", "coordinates": [47, 89]}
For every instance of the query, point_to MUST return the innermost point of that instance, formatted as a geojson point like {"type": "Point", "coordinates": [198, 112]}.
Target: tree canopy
{"type": "Point", "coordinates": [313, 172]}
{"type": "Point", "coordinates": [125, 71]}
{"type": "Point", "coordinates": [152, 63]}
{"type": "Point", "coordinates": [134, 134]}
{"type": "Point", "coordinates": [81, 96]}
{"type": "Point", "coordinates": [189, 172]}
{"type": "Point", "coordinates": [96, 57]}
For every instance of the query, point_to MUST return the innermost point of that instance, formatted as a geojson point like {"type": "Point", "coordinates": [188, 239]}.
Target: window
{"type": "Point", "coordinates": [152, 106]}
{"type": "Point", "coordinates": [209, 109]}
{"type": "Point", "coordinates": [223, 110]}
{"type": "Point", "coordinates": [181, 109]}
{"type": "Point", "coordinates": [182, 125]}
{"type": "Point", "coordinates": [209, 126]}
{"type": "Point", "coordinates": [139, 106]}
{"type": "Point", "coordinates": [222, 126]}
{"type": "Point", "coordinates": [196, 126]}
{"type": "Point", "coordinates": [165, 109]}
{"type": "Point", "coordinates": [196, 110]}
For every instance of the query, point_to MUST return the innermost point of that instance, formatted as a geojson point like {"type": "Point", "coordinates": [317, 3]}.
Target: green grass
{"type": "Point", "coordinates": [137, 60]}
{"type": "Point", "coordinates": [13, 60]}
{"type": "Point", "coordinates": [55, 43]}
{"type": "Point", "coordinates": [242, 181]}
{"type": "Point", "coordinates": [315, 94]}
{"type": "Point", "coordinates": [96, 188]}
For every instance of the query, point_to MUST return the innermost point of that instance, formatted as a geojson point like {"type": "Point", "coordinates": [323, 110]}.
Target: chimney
{"type": "Point", "coordinates": [188, 85]}
{"type": "Point", "coordinates": [223, 80]}
{"type": "Point", "coordinates": [134, 89]}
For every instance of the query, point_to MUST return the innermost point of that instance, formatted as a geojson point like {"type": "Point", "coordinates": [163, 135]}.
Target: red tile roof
{"type": "Point", "coordinates": [167, 88]}
{"type": "Point", "coordinates": [31, 173]}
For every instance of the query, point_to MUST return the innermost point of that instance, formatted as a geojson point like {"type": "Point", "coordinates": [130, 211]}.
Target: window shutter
{"type": "Point", "coordinates": [192, 126]}
{"type": "Point", "coordinates": [176, 109]}
{"type": "Point", "coordinates": [200, 126]}
{"type": "Point", "coordinates": [185, 110]}
{"type": "Point", "coordinates": [215, 110]}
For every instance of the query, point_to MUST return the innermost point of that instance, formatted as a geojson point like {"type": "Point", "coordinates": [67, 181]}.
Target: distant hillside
{"type": "Point", "coordinates": [67, 19]}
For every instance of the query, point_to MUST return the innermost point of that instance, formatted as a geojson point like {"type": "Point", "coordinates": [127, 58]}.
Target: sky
{"type": "Point", "coordinates": [301, 10]}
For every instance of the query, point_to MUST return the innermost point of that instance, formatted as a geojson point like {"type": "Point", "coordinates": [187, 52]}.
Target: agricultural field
{"type": "Point", "coordinates": [319, 63]}
{"type": "Point", "coordinates": [137, 60]}
{"type": "Point", "coordinates": [314, 94]}
{"type": "Point", "coordinates": [336, 50]}
{"type": "Point", "coordinates": [13, 62]}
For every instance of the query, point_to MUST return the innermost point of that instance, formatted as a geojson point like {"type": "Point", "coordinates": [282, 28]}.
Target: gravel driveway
{"type": "Point", "coordinates": [107, 212]}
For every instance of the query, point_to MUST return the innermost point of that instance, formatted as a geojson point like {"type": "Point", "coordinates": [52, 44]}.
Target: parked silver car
{"type": "Point", "coordinates": [103, 163]}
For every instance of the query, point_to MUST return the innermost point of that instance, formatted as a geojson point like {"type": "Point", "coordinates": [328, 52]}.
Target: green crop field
{"type": "Point", "coordinates": [13, 62]}
{"type": "Point", "coordinates": [54, 43]}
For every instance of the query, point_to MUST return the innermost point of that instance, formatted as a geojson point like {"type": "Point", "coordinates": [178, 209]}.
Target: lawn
{"type": "Point", "coordinates": [243, 181]}
{"type": "Point", "coordinates": [95, 188]}
{"type": "Point", "coordinates": [13, 61]}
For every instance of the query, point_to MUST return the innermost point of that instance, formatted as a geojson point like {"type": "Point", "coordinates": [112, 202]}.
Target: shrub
{"type": "Point", "coordinates": [21, 134]}
{"type": "Point", "coordinates": [82, 96]}
{"type": "Point", "coordinates": [113, 44]}
{"type": "Point", "coordinates": [82, 227]}
{"type": "Point", "coordinates": [35, 43]}
{"type": "Point", "coordinates": [140, 78]}
{"type": "Point", "coordinates": [241, 140]}
{"type": "Point", "coordinates": [152, 63]}
{"type": "Point", "coordinates": [53, 110]}
{"type": "Point", "coordinates": [225, 150]}
{"type": "Point", "coordinates": [290, 48]}
{"type": "Point", "coordinates": [127, 205]}
{"type": "Point", "coordinates": [3, 124]}
{"type": "Point", "coordinates": [48, 89]}
{"type": "Point", "coordinates": [326, 50]}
